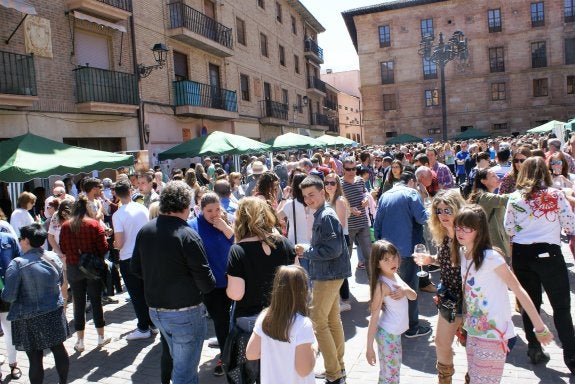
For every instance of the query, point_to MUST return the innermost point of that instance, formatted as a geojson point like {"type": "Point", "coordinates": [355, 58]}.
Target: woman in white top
{"type": "Point", "coordinates": [63, 213]}
{"type": "Point", "coordinates": [283, 335]}
{"type": "Point", "coordinates": [535, 216]}
{"type": "Point", "coordinates": [21, 217]}
{"type": "Point", "coordinates": [298, 215]}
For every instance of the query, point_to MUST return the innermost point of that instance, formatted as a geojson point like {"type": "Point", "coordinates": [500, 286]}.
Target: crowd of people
{"type": "Point", "coordinates": [265, 251]}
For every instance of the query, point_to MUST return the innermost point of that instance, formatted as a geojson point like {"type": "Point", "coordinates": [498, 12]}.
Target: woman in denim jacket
{"type": "Point", "coordinates": [38, 320]}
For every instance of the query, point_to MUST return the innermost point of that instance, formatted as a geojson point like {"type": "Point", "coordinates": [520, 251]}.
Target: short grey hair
{"type": "Point", "coordinates": [421, 171]}
{"type": "Point", "coordinates": [176, 197]}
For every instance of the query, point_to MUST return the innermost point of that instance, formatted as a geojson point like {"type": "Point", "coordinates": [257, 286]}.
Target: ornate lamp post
{"type": "Point", "coordinates": [441, 54]}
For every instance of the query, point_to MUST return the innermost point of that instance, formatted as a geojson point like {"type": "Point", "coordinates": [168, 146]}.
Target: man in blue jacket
{"type": "Point", "coordinates": [329, 264]}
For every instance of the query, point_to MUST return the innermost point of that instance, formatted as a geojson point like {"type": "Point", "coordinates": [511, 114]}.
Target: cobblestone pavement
{"type": "Point", "coordinates": [123, 362]}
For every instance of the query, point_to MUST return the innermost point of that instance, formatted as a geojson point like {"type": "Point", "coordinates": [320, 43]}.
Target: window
{"type": "Point", "coordinates": [245, 87]}
{"type": "Point", "coordinates": [434, 131]}
{"type": "Point", "coordinates": [262, 4]}
{"type": "Point", "coordinates": [384, 36]}
{"type": "Point", "coordinates": [429, 70]}
{"type": "Point", "coordinates": [180, 66]}
{"type": "Point", "coordinates": [569, 11]}
{"type": "Point", "coordinates": [499, 127]}
{"type": "Point", "coordinates": [293, 26]}
{"type": "Point", "coordinates": [426, 27]}
{"type": "Point", "coordinates": [285, 96]}
{"type": "Point", "coordinates": [571, 85]}
{"type": "Point", "coordinates": [241, 31]}
{"type": "Point", "coordinates": [498, 91]}
{"type": "Point", "coordinates": [279, 12]}
{"type": "Point", "coordinates": [389, 102]}
{"type": "Point", "coordinates": [390, 134]}
{"type": "Point", "coordinates": [496, 60]}
{"type": "Point", "coordinates": [296, 63]}
{"type": "Point", "coordinates": [299, 103]}
{"type": "Point", "coordinates": [538, 54]}
{"type": "Point", "coordinates": [431, 97]}
{"type": "Point", "coordinates": [537, 14]}
{"type": "Point", "coordinates": [264, 45]}
{"type": "Point", "coordinates": [540, 88]}
{"type": "Point", "coordinates": [570, 51]}
{"type": "Point", "coordinates": [387, 76]}
{"type": "Point", "coordinates": [282, 54]}
{"type": "Point", "coordinates": [494, 20]}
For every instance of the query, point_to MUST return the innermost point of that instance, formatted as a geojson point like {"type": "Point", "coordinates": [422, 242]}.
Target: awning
{"type": "Point", "coordinates": [96, 20]}
{"type": "Point", "coordinates": [20, 5]}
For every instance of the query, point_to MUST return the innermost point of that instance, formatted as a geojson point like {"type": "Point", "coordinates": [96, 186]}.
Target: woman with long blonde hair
{"type": "Point", "coordinates": [253, 260]}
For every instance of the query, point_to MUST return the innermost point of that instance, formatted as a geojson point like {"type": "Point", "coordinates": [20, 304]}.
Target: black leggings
{"type": "Point", "coordinates": [37, 368]}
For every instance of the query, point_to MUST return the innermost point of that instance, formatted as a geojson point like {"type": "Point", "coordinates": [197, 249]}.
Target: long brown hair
{"type": "Point", "coordinates": [288, 298]}
{"type": "Point", "coordinates": [523, 150]}
{"type": "Point", "coordinates": [453, 199]}
{"type": "Point", "coordinates": [474, 217]}
{"type": "Point", "coordinates": [79, 212]}
{"type": "Point", "coordinates": [380, 250]}
{"type": "Point", "coordinates": [254, 217]}
{"type": "Point", "coordinates": [533, 177]}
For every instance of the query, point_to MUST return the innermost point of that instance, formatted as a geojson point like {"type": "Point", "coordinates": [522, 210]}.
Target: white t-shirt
{"type": "Point", "coordinates": [486, 299]}
{"type": "Point", "coordinates": [129, 219]}
{"type": "Point", "coordinates": [395, 315]}
{"type": "Point", "coordinates": [278, 357]}
{"type": "Point", "coordinates": [20, 218]}
{"type": "Point", "coordinates": [304, 221]}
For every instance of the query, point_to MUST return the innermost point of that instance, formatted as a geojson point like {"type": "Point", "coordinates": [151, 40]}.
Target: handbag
{"type": "Point", "coordinates": [92, 266]}
{"type": "Point", "coordinates": [449, 307]}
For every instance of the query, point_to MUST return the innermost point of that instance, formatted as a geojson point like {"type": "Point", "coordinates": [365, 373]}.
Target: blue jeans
{"type": "Point", "coordinates": [408, 273]}
{"type": "Point", "coordinates": [184, 332]}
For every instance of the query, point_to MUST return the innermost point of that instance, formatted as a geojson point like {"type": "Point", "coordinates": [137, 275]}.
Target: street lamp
{"type": "Point", "coordinates": [441, 54]}
{"type": "Point", "coordinates": [160, 51]}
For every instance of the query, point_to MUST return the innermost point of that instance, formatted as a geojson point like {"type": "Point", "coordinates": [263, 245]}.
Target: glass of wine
{"type": "Point", "coordinates": [418, 252]}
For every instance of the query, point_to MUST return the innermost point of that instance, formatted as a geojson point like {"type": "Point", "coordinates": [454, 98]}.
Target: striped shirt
{"type": "Point", "coordinates": [355, 193]}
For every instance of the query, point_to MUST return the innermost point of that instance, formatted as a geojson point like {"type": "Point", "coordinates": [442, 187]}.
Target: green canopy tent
{"type": "Point", "coordinates": [333, 141]}
{"type": "Point", "coordinates": [570, 125]}
{"type": "Point", "coordinates": [404, 138]}
{"type": "Point", "coordinates": [293, 141]}
{"type": "Point", "coordinates": [471, 133]}
{"type": "Point", "coordinates": [545, 128]}
{"type": "Point", "coordinates": [28, 157]}
{"type": "Point", "coordinates": [215, 144]}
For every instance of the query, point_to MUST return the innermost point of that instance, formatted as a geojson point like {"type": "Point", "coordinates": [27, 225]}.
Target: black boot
{"type": "Point", "coordinates": [537, 355]}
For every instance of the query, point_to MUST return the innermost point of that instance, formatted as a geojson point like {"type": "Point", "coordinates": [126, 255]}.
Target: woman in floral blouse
{"type": "Point", "coordinates": [534, 218]}
{"type": "Point", "coordinates": [446, 204]}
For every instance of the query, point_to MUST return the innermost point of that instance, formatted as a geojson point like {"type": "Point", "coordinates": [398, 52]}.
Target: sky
{"type": "Point", "coordinates": [339, 53]}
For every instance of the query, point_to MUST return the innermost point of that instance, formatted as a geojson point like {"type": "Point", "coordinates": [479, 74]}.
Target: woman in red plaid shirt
{"type": "Point", "coordinates": [82, 234]}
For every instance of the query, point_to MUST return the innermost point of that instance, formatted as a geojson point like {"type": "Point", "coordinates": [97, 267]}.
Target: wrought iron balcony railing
{"type": "Point", "coordinates": [319, 119]}
{"type": "Point", "coordinates": [126, 5]}
{"type": "Point", "coordinates": [274, 109]}
{"type": "Point", "coordinates": [330, 104]}
{"type": "Point", "coordinates": [316, 83]}
{"type": "Point", "coordinates": [104, 86]}
{"type": "Point", "coordinates": [189, 92]}
{"type": "Point", "coordinates": [311, 46]}
{"type": "Point", "coordinates": [17, 74]}
{"type": "Point", "coordinates": [182, 15]}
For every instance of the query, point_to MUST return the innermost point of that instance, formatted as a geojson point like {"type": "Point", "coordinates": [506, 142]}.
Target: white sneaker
{"type": "Point", "coordinates": [344, 306]}
{"type": "Point", "coordinates": [103, 340]}
{"type": "Point", "coordinates": [79, 346]}
{"type": "Point", "coordinates": [137, 335]}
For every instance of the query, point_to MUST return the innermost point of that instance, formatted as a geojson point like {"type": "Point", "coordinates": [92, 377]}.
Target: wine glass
{"type": "Point", "coordinates": [418, 251]}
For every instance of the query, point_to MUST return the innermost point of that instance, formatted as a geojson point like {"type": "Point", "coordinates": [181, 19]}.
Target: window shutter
{"type": "Point", "coordinates": [92, 49]}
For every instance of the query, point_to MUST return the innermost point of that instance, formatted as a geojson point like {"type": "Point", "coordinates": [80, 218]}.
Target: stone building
{"type": "Point", "coordinates": [520, 71]}
{"type": "Point", "coordinates": [245, 67]}
{"type": "Point", "coordinates": [349, 102]}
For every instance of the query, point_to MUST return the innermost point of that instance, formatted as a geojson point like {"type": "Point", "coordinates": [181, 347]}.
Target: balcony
{"type": "Point", "coordinates": [103, 91]}
{"type": "Point", "coordinates": [113, 10]}
{"type": "Point", "coordinates": [197, 99]}
{"type": "Point", "coordinates": [273, 113]}
{"type": "Point", "coordinates": [313, 51]}
{"type": "Point", "coordinates": [333, 125]}
{"type": "Point", "coordinates": [316, 86]}
{"type": "Point", "coordinates": [17, 80]}
{"type": "Point", "coordinates": [330, 104]}
{"type": "Point", "coordinates": [198, 30]}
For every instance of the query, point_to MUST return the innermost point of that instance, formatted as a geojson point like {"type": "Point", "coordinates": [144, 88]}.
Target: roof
{"type": "Point", "coordinates": [306, 15]}
{"type": "Point", "coordinates": [388, 6]}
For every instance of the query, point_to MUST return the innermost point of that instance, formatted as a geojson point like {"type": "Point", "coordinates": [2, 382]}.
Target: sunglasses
{"type": "Point", "coordinates": [445, 211]}
{"type": "Point", "coordinates": [518, 160]}
{"type": "Point", "coordinates": [556, 162]}
{"type": "Point", "coordinates": [332, 183]}
{"type": "Point", "coordinates": [350, 169]}
{"type": "Point", "coordinates": [463, 229]}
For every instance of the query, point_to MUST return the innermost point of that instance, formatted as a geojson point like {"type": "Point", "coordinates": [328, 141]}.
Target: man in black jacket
{"type": "Point", "coordinates": [170, 257]}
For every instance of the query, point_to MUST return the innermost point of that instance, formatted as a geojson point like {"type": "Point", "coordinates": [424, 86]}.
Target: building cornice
{"type": "Point", "coordinates": [306, 15]}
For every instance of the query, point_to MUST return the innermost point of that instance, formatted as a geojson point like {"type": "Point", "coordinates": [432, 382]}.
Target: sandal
{"type": "Point", "coordinates": [15, 372]}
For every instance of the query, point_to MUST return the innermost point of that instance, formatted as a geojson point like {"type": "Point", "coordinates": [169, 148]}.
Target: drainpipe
{"type": "Point", "coordinates": [139, 112]}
